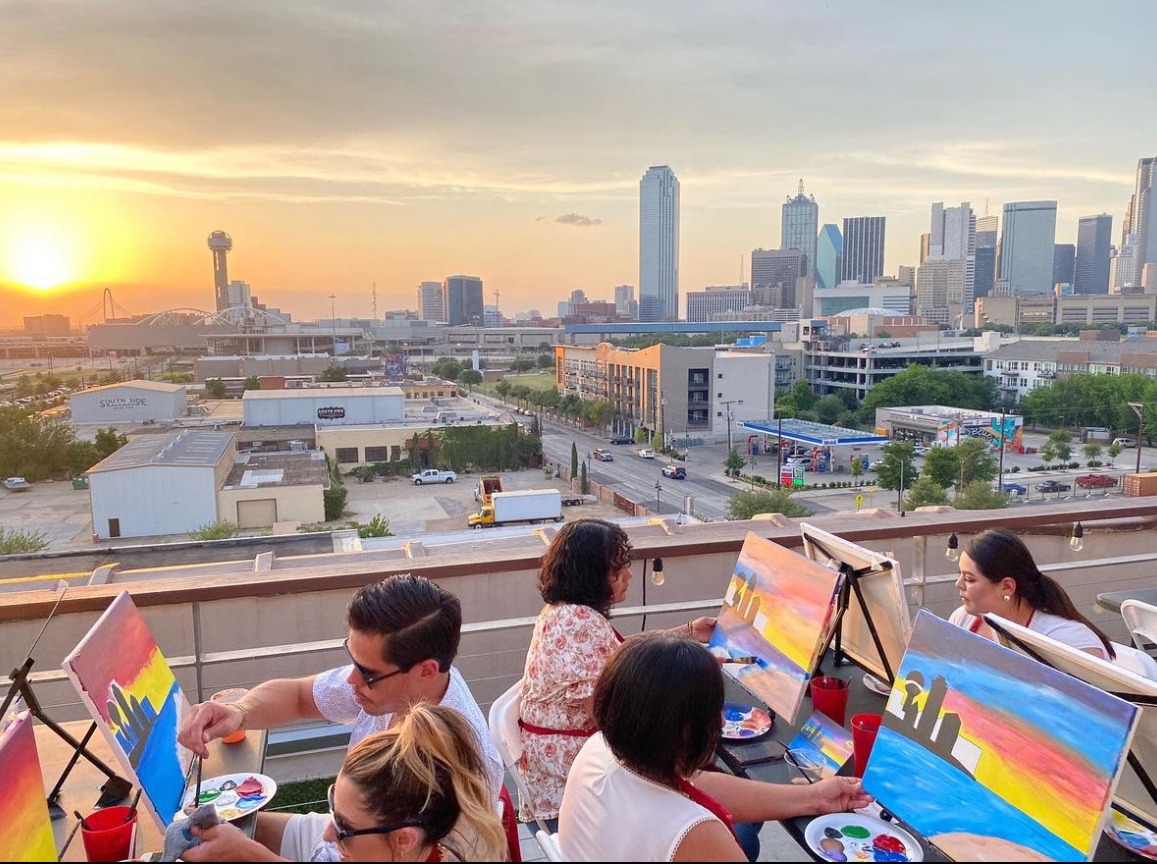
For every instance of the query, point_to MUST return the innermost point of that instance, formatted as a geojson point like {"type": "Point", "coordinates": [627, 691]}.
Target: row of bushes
{"type": "Point", "coordinates": [1058, 465]}
{"type": "Point", "coordinates": [835, 484]}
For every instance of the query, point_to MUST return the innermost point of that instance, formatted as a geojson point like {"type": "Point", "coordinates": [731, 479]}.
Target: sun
{"type": "Point", "coordinates": [41, 262]}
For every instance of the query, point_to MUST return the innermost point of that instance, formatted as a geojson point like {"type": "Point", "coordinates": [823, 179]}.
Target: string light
{"type": "Point", "coordinates": [657, 577]}
{"type": "Point", "coordinates": [952, 553]}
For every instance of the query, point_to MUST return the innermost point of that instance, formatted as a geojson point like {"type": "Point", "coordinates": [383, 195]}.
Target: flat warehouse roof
{"type": "Point", "coordinates": [817, 434]}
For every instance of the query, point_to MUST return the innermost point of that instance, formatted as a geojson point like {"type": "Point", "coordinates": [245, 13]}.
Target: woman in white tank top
{"type": "Point", "coordinates": [637, 790]}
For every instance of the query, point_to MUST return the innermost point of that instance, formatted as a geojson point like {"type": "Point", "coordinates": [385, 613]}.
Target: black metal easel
{"type": "Point", "coordinates": [116, 788]}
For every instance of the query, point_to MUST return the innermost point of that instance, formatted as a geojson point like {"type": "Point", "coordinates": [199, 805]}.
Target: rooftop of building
{"type": "Point", "coordinates": [137, 384]}
{"type": "Point", "coordinates": [940, 411]}
{"type": "Point", "coordinates": [324, 393]}
{"type": "Point", "coordinates": [187, 448]}
{"type": "Point", "coordinates": [1098, 352]}
{"type": "Point", "coordinates": [303, 468]}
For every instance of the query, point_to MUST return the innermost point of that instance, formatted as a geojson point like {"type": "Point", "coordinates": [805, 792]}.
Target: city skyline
{"type": "Point", "coordinates": [134, 130]}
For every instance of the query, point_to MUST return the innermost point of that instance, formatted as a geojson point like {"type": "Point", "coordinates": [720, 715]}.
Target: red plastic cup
{"type": "Point", "coordinates": [108, 833]}
{"type": "Point", "coordinates": [830, 696]}
{"type": "Point", "coordinates": [864, 730]}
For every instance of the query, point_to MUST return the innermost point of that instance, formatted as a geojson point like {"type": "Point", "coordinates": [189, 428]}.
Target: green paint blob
{"type": "Point", "coordinates": [856, 831]}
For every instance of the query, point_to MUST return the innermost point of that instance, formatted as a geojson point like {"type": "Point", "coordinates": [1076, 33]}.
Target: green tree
{"type": "Point", "coordinates": [1092, 451]}
{"type": "Point", "coordinates": [574, 460]}
{"type": "Point", "coordinates": [215, 389]}
{"type": "Point", "coordinates": [1062, 444]}
{"type": "Point", "coordinates": [379, 526]}
{"type": "Point", "coordinates": [925, 492]}
{"type": "Point", "coordinates": [1114, 450]}
{"type": "Point", "coordinates": [545, 361]}
{"type": "Point", "coordinates": [469, 377]}
{"type": "Point", "coordinates": [334, 497]}
{"type": "Point", "coordinates": [641, 435]}
{"type": "Point", "coordinates": [734, 464]}
{"type": "Point", "coordinates": [222, 529]}
{"type": "Point", "coordinates": [745, 504]}
{"type": "Point", "coordinates": [897, 470]}
{"type": "Point", "coordinates": [802, 395]}
{"type": "Point", "coordinates": [336, 372]}
{"type": "Point", "coordinates": [13, 542]}
{"type": "Point", "coordinates": [941, 466]}
{"type": "Point", "coordinates": [502, 388]}
{"type": "Point", "coordinates": [252, 383]}
{"type": "Point", "coordinates": [830, 409]}
{"type": "Point", "coordinates": [1047, 453]}
{"type": "Point", "coordinates": [976, 462]}
{"type": "Point", "coordinates": [523, 364]}
{"type": "Point", "coordinates": [107, 442]}
{"type": "Point", "coordinates": [415, 453]}
{"type": "Point", "coordinates": [979, 495]}
{"type": "Point", "coordinates": [585, 483]}
{"type": "Point", "coordinates": [857, 468]}
{"type": "Point", "coordinates": [922, 385]}
{"type": "Point", "coordinates": [656, 441]}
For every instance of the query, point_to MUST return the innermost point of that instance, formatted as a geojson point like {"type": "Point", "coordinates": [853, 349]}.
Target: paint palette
{"type": "Point", "coordinates": [744, 722]}
{"type": "Point", "coordinates": [876, 685]}
{"type": "Point", "coordinates": [1134, 836]}
{"type": "Point", "coordinates": [234, 795]}
{"type": "Point", "coordinates": [855, 837]}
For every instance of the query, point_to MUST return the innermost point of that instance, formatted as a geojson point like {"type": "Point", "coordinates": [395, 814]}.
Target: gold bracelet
{"type": "Point", "coordinates": [689, 633]}
{"type": "Point", "coordinates": [244, 709]}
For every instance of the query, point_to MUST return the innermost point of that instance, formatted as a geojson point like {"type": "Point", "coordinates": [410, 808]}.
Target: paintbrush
{"type": "Point", "coordinates": [197, 797]}
{"type": "Point", "coordinates": [76, 813]}
{"type": "Point", "coordinates": [133, 808]}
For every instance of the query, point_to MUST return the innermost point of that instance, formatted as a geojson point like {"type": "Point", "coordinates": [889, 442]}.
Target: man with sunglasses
{"type": "Point", "coordinates": [403, 637]}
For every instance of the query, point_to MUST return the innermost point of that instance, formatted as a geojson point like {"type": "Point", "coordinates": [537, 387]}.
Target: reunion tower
{"type": "Point", "coordinates": [219, 244]}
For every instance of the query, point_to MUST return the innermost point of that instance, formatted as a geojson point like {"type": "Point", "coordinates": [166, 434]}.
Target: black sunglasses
{"type": "Point", "coordinates": [344, 834]}
{"type": "Point", "coordinates": [368, 677]}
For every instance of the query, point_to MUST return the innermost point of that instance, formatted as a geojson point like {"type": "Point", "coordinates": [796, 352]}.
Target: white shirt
{"type": "Point", "coordinates": [1064, 630]}
{"type": "Point", "coordinates": [334, 698]}
{"type": "Point", "coordinates": [610, 813]}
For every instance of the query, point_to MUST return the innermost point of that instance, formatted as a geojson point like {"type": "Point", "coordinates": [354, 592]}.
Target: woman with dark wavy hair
{"type": "Point", "coordinates": [998, 575]}
{"type": "Point", "coordinates": [585, 571]}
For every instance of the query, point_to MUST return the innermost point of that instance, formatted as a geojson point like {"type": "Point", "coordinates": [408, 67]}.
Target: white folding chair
{"type": "Point", "coordinates": [504, 729]}
{"type": "Point", "coordinates": [1141, 621]}
{"type": "Point", "coordinates": [1135, 660]}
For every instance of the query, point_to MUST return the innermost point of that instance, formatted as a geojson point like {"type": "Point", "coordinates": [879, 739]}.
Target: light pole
{"type": "Point", "coordinates": [727, 403]}
{"type": "Point", "coordinates": [658, 502]}
{"type": "Point", "coordinates": [1139, 410]}
{"type": "Point", "coordinates": [333, 323]}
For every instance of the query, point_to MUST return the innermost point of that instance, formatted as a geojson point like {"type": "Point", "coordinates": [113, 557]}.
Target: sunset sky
{"type": "Point", "coordinates": [347, 143]}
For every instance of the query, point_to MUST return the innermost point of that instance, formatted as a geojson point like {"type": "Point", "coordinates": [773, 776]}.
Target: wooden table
{"type": "Point", "coordinates": [82, 788]}
{"type": "Point", "coordinates": [1112, 600]}
{"type": "Point", "coordinates": [860, 700]}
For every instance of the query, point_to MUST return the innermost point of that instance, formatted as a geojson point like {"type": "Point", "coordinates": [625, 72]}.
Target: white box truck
{"type": "Point", "coordinates": [531, 505]}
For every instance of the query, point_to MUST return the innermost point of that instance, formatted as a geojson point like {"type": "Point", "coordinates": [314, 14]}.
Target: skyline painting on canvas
{"type": "Point", "coordinates": [27, 834]}
{"type": "Point", "coordinates": [989, 753]}
{"type": "Point", "coordinates": [130, 691]}
{"type": "Point", "coordinates": [776, 612]}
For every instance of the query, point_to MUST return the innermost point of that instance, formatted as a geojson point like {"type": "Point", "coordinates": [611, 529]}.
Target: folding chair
{"type": "Point", "coordinates": [503, 722]}
{"type": "Point", "coordinates": [1141, 620]}
{"type": "Point", "coordinates": [1135, 660]}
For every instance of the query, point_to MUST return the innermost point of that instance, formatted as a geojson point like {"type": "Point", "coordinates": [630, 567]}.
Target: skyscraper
{"type": "Point", "coordinates": [863, 249]}
{"type": "Point", "coordinates": [1026, 246]}
{"type": "Point", "coordinates": [953, 236]}
{"type": "Point", "coordinates": [464, 301]}
{"type": "Point", "coordinates": [1142, 220]}
{"type": "Point", "coordinates": [829, 255]}
{"type": "Point", "coordinates": [1094, 242]}
{"type": "Point", "coordinates": [624, 300]}
{"type": "Point", "coordinates": [801, 216]}
{"type": "Point", "coordinates": [1064, 261]}
{"type": "Point", "coordinates": [431, 301]}
{"type": "Point", "coordinates": [773, 277]}
{"type": "Point", "coordinates": [984, 269]}
{"type": "Point", "coordinates": [659, 245]}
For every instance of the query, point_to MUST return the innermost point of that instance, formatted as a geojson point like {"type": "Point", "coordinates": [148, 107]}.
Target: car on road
{"type": "Point", "coordinates": [646, 453]}
{"type": "Point", "coordinates": [921, 450]}
{"type": "Point", "coordinates": [675, 472]}
{"type": "Point", "coordinates": [1125, 442]}
{"type": "Point", "coordinates": [1053, 486]}
{"type": "Point", "coordinates": [433, 475]}
{"type": "Point", "coordinates": [604, 455]}
{"type": "Point", "coordinates": [622, 439]}
{"type": "Point", "coordinates": [1096, 481]}
{"type": "Point", "coordinates": [1015, 489]}
{"type": "Point", "coordinates": [877, 465]}
{"type": "Point", "coordinates": [17, 484]}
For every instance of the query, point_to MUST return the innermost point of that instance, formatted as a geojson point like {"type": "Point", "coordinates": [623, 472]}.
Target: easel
{"type": "Point", "coordinates": [1140, 699]}
{"type": "Point", "coordinates": [850, 586]}
{"type": "Point", "coordinates": [115, 788]}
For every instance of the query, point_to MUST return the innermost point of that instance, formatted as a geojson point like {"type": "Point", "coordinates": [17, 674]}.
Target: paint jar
{"type": "Point", "coordinates": [109, 834]}
{"type": "Point", "coordinates": [231, 695]}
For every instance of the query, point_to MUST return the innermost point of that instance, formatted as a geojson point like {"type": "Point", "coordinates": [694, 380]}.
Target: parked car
{"type": "Point", "coordinates": [646, 453]}
{"type": "Point", "coordinates": [675, 472]}
{"type": "Point", "coordinates": [604, 455]}
{"type": "Point", "coordinates": [1053, 486]}
{"type": "Point", "coordinates": [877, 465]}
{"type": "Point", "coordinates": [1096, 481]}
{"type": "Point", "coordinates": [921, 450]}
{"type": "Point", "coordinates": [1015, 489]}
{"type": "Point", "coordinates": [17, 484]}
{"type": "Point", "coordinates": [433, 475]}
{"type": "Point", "coordinates": [622, 439]}
{"type": "Point", "coordinates": [1125, 442]}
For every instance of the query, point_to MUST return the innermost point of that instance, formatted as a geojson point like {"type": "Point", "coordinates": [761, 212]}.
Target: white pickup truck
{"type": "Point", "coordinates": [433, 475]}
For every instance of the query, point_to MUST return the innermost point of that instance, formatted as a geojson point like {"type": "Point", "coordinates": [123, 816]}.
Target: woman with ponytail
{"type": "Point", "coordinates": [998, 576]}
{"type": "Point", "coordinates": [416, 792]}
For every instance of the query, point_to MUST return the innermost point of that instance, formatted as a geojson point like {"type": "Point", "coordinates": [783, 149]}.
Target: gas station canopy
{"type": "Point", "coordinates": [815, 434]}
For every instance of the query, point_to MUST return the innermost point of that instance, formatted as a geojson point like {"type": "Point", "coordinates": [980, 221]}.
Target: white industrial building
{"type": "Point", "coordinates": [129, 402]}
{"type": "Point", "coordinates": [324, 407]}
{"type": "Point", "coordinates": [160, 484]}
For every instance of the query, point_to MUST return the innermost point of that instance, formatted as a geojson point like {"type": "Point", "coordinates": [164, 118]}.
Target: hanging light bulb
{"type": "Point", "coordinates": [657, 577]}
{"type": "Point", "coordinates": [952, 553]}
{"type": "Point", "coordinates": [1077, 541]}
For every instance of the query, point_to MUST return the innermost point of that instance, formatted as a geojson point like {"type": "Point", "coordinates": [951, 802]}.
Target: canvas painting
{"type": "Point", "coordinates": [993, 756]}
{"type": "Point", "coordinates": [776, 613]}
{"type": "Point", "coordinates": [831, 742]}
{"type": "Point", "coordinates": [128, 687]}
{"type": "Point", "coordinates": [27, 834]}
{"type": "Point", "coordinates": [887, 606]}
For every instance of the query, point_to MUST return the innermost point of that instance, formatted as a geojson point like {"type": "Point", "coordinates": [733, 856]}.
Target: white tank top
{"type": "Point", "coordinates": [610, 813]}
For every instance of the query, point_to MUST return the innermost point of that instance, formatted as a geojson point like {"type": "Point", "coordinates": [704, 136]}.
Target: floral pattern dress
{"type": "Point", "coordinates": [570, 647]}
